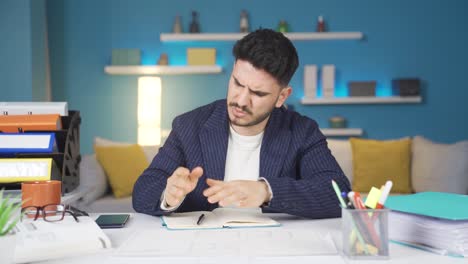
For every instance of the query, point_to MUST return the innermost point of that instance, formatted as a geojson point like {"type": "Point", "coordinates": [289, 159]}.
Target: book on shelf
{"type": "Point", "coordinates": [218, 218]}
{"type": "Point", "coordinates": [39, 240]}
{"type": "Point", "coordinates": [20, 123]}
{"type": "Point", "coordinates": [432, 221]}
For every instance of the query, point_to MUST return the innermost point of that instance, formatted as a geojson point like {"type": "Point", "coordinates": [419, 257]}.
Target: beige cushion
{"type": "Point", "coordinates": [92, 178]}
{"type": "Point", "coordinates": [439, 167]}
{"type": "Point", "coordinates": [341, 150]}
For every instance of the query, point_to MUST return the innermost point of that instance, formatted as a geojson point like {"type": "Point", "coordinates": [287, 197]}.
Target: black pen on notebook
{"type": "Point", "coordinates": [200, 219]}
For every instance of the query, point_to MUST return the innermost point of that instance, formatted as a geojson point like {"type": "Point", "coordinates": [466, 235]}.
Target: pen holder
{"type": "Point", "coordinates": [365, 233]}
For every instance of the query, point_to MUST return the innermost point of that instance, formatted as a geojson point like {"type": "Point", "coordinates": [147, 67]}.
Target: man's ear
{"type": "Point", "coordinates": [284, 94]}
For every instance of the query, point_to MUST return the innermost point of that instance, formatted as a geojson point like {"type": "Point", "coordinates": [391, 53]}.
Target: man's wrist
{"type": "Point", "coordinates": [165, 206]}
{"type": "Point", "coordinates": [268, 192]}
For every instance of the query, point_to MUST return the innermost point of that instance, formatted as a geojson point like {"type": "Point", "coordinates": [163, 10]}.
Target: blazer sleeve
{"type": "Point", "coordinates": [304, 188]}
{"type": "Point", "coordinates": [148, 189]}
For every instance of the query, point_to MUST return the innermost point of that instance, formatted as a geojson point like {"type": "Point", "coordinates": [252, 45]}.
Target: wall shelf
{"type": "Point", "coordinates": [362, 100]}
{"type": "Point", "coordinates": [342, 132]}
{"type": "Point", "coordinates": [161, 70]}
{"type": "Point", "coordinates": [165, 37]}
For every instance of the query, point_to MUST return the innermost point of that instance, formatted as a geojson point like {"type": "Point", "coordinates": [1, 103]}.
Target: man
{"type": "Point", "coordinates": [247, 150]}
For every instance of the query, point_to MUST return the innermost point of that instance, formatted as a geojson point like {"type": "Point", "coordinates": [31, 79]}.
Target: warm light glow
{"type": "Point", "coordinates": [149, 111]}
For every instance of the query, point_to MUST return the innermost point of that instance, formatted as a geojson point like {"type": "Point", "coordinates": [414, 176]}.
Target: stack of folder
{"type": "Point", "coordinates": [433, 221]}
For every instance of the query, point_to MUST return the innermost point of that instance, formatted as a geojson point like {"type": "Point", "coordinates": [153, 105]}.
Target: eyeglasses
{"type": "Point", "coordinates": [50, 212]}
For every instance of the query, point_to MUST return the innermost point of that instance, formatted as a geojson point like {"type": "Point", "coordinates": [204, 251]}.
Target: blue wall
{"type": "Point", "coordinates": [22, 50]}
{"type": "Point", "coordinates": [38, 50]}
{"type": "Point", "coordinates": [425, 39]}
{"type": "Point", "coordinates": [15, 51]}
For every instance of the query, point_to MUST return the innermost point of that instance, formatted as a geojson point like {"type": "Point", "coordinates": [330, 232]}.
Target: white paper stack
{"type": "Point", "coordinates": [447, 237]}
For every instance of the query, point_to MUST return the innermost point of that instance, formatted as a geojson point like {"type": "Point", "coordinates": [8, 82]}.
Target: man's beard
{"type": "Point", "coordinates": [254, 122]}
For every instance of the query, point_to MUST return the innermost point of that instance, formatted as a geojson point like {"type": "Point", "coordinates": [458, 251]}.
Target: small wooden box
{"type": "Point", "coordinates": [201, 56]}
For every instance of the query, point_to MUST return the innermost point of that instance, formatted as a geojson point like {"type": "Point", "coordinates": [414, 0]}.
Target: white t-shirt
{"type": "Point", "coordinates": [243, 157]}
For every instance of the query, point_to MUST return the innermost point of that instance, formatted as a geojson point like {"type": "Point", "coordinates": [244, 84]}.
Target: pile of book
{"type": "Point", "coordinates": [436, 222]}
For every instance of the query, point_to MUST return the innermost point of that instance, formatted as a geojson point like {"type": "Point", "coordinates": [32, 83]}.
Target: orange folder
{"type": "Point", "coordinates": [18, 123]}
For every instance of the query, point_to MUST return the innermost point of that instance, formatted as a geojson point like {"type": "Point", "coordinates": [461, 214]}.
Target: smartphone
{"type": "Point", "coordinates": [112, 220]}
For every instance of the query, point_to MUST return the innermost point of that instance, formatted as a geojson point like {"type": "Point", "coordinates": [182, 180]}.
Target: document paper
{"type": "Point", "coordinates": [228, 242]}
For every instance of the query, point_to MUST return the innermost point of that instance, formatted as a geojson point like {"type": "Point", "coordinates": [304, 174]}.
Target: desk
{"type": "Point", "coordinates": [398, 254]}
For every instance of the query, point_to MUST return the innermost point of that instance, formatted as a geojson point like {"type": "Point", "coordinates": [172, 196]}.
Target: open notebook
{"type": "Point", "coordinates": [219, 218]}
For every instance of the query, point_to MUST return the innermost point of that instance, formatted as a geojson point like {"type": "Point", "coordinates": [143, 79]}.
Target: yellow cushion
{"type": "Point", "coordinates": [123, 165]}
{"type": "Point", "coordinates": [376, 161]}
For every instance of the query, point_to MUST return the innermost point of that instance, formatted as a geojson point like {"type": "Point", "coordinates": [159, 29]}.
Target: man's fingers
{"type": "Point", "coordinates": [212, 182]}
{"type": "Point", "coordinates": [195, 174]}
{"type": "Point", "coordinates": [213, 189]}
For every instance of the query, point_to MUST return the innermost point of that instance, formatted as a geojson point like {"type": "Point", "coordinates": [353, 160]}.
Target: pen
{"type": "Point", "coordinates": [200, 219]}
{"type": "Point", "coordinates": [338, 193]}
{"type": "Point", "coordinates": [344, 195]}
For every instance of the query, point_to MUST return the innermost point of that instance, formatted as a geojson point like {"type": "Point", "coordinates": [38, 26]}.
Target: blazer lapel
{"type": "Point", "coordinates": [274, 146]}
{"type": "Point", "coordinates": [214, 138]}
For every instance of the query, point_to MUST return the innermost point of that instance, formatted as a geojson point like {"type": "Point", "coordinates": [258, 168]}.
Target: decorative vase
{"type": "Point", "coordinates": [7, 248]}
{"type": "Point", "coordinates": [283, 26]}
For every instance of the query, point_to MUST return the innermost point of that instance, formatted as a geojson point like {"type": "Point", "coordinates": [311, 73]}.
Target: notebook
{"type": "Point", "coordinates": [448, 206]}
{"type": "Point", "coordinates": [218, 218]}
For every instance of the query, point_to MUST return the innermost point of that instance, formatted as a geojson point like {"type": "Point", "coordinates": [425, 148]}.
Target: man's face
{"type": "Point", "coordinates": [252, 96]}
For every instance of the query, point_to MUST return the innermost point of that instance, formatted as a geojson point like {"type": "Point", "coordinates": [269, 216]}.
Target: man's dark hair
{"type": "Point", "coordinates": [270, 51]}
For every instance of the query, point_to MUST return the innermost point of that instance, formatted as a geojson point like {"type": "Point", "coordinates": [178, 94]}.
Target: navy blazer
{"type": "Point", "coordinates": [294, 159]}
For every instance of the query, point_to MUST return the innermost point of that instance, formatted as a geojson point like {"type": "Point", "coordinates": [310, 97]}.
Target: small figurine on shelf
{"type": "Point", "coordinates": [163, 59]}
{"type": "Point", "coordinates": [194, 26]}
{"type": "Point", "coordinates": [177, 27]}
{"type": "Point", "coordinates": [244, 22]}
{"type": "Point", "coordinates": [283, 26]}
{"type": "Point", "coordinates": [320, 24]}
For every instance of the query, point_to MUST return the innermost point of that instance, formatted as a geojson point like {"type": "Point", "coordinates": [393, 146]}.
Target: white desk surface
{"type": "Point", "coordinates": [398, 253]}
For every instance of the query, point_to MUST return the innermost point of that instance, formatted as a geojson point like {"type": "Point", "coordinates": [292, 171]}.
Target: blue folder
{"type": "Point", "coordinates": [448, 206]}
{"type": "Point", "coordinates": [22, 147]}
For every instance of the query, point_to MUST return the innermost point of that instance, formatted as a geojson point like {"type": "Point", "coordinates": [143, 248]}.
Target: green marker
{"type": "Point", "coordinates": [338, 193]}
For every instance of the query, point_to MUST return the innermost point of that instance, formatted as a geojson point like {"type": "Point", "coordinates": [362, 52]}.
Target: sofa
{"type": "Point", "coordinates": [422, 165]}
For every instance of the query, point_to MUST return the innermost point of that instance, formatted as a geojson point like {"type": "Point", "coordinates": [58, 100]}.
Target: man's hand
{"type": "Point", "coordinates": [181, 183]}
{"type": "Point", "coordinates": [240, 193]}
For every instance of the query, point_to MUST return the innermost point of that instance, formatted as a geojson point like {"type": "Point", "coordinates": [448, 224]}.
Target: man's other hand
{"type": "Point", "coordinates": [240, 193]}
{"type": "Point", "coordinates": [181, 183]}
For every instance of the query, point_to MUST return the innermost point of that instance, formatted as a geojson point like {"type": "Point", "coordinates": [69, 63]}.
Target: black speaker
{"type": "Point", "coordinates": [406, 87]}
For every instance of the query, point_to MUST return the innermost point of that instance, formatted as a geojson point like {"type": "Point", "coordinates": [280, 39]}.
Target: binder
{"type": "Point", "coordinates": [26, 143]}
{"type": "Point", "coordinates": [19, 170]}
{"type": "Point", "coordinates": [66, 153]}
{"type": "Point", "coordinates": [33, 108]}
{"type": "Point", "coordinates": [447, 206]}
{"type": "Point", "coordinates": [20, 123]}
